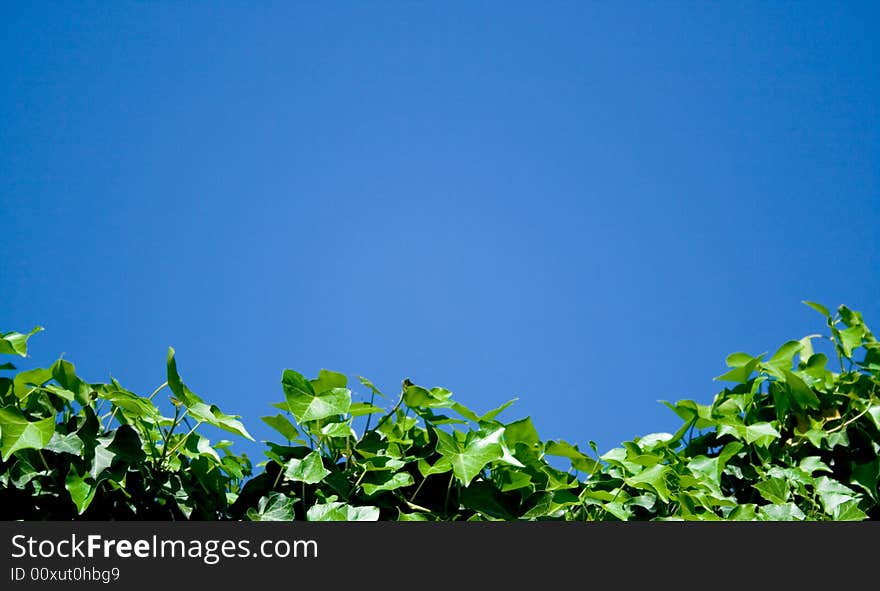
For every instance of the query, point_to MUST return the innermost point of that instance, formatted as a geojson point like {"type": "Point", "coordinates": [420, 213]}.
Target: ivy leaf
{"type": "Point", "coordinates": [774, 490]}
{"type": "Point", "coordinates": [69, 444]}
{"type": "Point", "coordinates": [819, 308]}
{"type": "Point", "coordinates": [489, 416]}
{"type": "Point", "coordinates": [283, 425]}
{"type": "Point", "coordinates": [81, 492]}
{"type": "Point", "coordinates": [306, 405]}
{"type": "Point", "coordinates": [800, 391]}
{"type": "Point", "coordinates": [342, 429]}
{"type": "Point", "coordinates": [184, 394]}
{"type": "Point", "coordinates": [327, 380]}
{"type": "Point", "coordinates": [65, 374]}
{"type": "Point", "coordinates": [359, 409]}
{"type": "Point", "coordinates": [197, 407]}
{"type": "Point", "coordinates": [653, 478]}
{"type": "Point", "coordinates": [15, 343]}
{"type": "Point", "coordinates": [740, 374]}
{"type": "Point", "coordinates": [24, 382]}
{"type": "Point", "coordinates": [336, 511]}
{"type": "Point", "coordinates": [849, 511]}
{"type": "Point", "coordinates": [310, 469]}
{"type": "Point", "coordinates": [132, 404]}
{"type": "Point", "coordinates": [468, 460]}
{"type": "Point", "coordinates": [274, 507]}
{"type": "Point", "coordinates": [384, 481]}
{"type": "Point", "coordinates": [832, 493]}
{"type": "Point", "coordinates": [761, 434]}
{"type": "Point", "coordinates": [783, 512]}
{"type": "Point", "coordinates": [213, 416]}
{"type": "Point", "coordinates": [17, 432]}
{"type": "Point", "coordinates": [783, 359]}
{"type": "Point", "coordinates": [851, 338]}
{"type": "Point", "coordinates": [418, 397]}
{"type": "Point", "coordinates": [370, 385]}
{"type": "Point", "coordinates": [579, 460]}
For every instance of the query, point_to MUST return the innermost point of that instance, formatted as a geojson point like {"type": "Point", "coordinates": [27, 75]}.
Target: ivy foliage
{"type": "Point", "coordinates": [788, 438]}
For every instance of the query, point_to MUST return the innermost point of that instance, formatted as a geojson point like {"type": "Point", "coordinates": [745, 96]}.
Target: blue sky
{"type": "Point", "coordinates": [585, 205]}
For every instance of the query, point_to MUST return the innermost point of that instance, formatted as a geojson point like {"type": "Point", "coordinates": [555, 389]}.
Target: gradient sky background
{"type": "Point", "coordinates": [584, 205]}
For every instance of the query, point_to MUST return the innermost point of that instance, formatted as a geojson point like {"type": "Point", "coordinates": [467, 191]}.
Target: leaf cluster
{"type": "Point", "coordinates": [787, 438]}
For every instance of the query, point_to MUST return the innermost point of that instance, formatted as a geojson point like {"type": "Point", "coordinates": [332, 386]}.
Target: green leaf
{"type": "Point", "coordinates": [25, 381]}
{"type": "Point", "coordinates": [579, 460]}
{"type": "Point", "coordinates": [465, 412]}
{"type": "Point", "coordinates": [184, 394]}
{"type": "Point", "coordinates": [784, 512]}
{"type": "Point", "coordinates": [15, 343]}
{"type": "Point", "coordinates": [498, 410]}
{"type": "Point", "coordinates": [418, 397]}
{"type": "Point", "coordinates": [370, 385]}
{"type": "Point", "coordinates": [761, 434]}
{"type": "Point", "coordinates": [832, 493]}
{"type": "Point", "coordinates": [305, 405]}
{"type": "Point", "coordinates": [813, 464]}
{"type": "Point", "coordinates": [359, 409]}
{"type": "Point", "coordinates": [69, 444]}
{"type": "Point", "coordinates": [468, 460]}
{"type": "Point", "coordinates": [819, 308]}
{"type": "Point", "coordinates": [133, 404]}
{"type": "Point", "coordinates": [65, 374]}
{"type": "Point", "coordinates": [274, 507]}
{"type": "Point", "coordinates": [849, 511]}
{"type": "Point", "coordinates": [17, 432]}
{"type": "Point", "coordinates": [342, 429]}
{"type": "Point", "coordinates": [874, 413]}
{"type": "Point", "coordinates": [310, 469]}
{"type": "Point", "coordinates": [283, 425]}
{"type": "Point", "coordinates": [327, 380]}
{"type": "Point", "coordinates": [336, 511]}
{"type": "Point", "coordinates": [213, 416]}
{"type": "Point", "coordinates": [441, 466]}
{"type": "Point", "coordinates": [741, 374]}
{"type": "Point", "coordinates": [653, 478]}
{"type": "Point", "coordinates": [865, 475]}
{"type": "Point", "coordinates": [774, 490]}
{"type": "Point", "coordinates": [851, 338]}
{"type": "Point", "coordinates": [521, 431]}
{"type": "Point", "coordinates": [387, 481]}
{"type": "Point", "coordinates": [81, 492]}
{"type": "Point", "coordinates": [738, 359]}
{"type": "Point", "coordinates": [783, 359]}
{"type": "Point", "coordinates": [487, 500]}
{"type": "Point", "coordinates": [800, 391]}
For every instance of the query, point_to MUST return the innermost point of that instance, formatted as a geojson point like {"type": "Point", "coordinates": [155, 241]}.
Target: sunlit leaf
{"type": "Point", "coordinates": [310, 469]}
{"type": "Point", "coordinates": [306, 405]}
{"type": "Point", "coordinates": [15, 343]}
{"type": "Point", "coordinates": [18, 432]}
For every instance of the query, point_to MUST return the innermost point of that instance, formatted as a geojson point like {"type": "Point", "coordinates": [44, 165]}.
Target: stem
{"type": "Point", "coordinates": [390, 412]}
{"type": "Point", "coordinates": [418, 488]}
{"type": "Point", "coordinates": [357, 482]}
{"type": "Point", "coordinates": [157, 390]}
{"type": "Point", "coordinates": [370, 416]}
{"type": "Point", "coordinates": [184, 438]}
{"type": "Point", "coordinates": [448, 491]}
{"type": "Point", "coordinates": [278, 478]}
{"type": "Point", "coordinates": [169, 433]}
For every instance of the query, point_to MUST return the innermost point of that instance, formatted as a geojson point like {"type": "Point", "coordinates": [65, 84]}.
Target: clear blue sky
{"type": "Point", "coordinates": [585, 205]}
